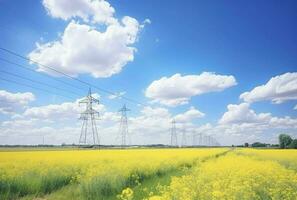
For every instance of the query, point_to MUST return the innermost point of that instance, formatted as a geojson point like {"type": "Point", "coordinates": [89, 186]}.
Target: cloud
{"type": "Point", "coordinates": [22, 132]}
{"type": "Point", "coordinates": [244, 116]}
{"type": "Point", "coordinates": [158, 112]}
{"type": "Point", "coordinates": [117, 95]}
{"type": "Point", "coordinates": [18, 123]}
{"type": "Point", "coordinates": [277, 90]}
{"type": "Point", "coordinates": [101, 54]}
{"type": "Point", "coordinates": [178, 89]}
{"type": "Point", "coordinates": [63, 111]}
{"type": "Point", "coordinates": [96, 11]}
{"type": "Point", "coordinates": [147, 21]}
{"type": "Point", "coordinates": [54, 111]}
{"type": "Point", "coordinates": [10, 102]}
{"type": "Point", "coordinates": [154, 124]}
{"type": "Point", "coordinates": [242, 124]}
{"type": "Point", "coordinates": [189, 115]}
{"type": "Point", "coordinates": [241, 113]}
{"type": "Point", "coordinates": [59, 123]}
{"type": "Point", "coordinates": [295, 108]}
{"type": "Point", "coordinates": [86, 48]}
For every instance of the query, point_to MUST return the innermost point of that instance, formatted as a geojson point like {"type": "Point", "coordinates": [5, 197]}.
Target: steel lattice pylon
{"type": "Point", "coordinates": [200, 139]}
{"type": "Point", "coordinates": [184, 138]}
{"type": "Point", "coordinates": [89, 117]}
{"type": "Point", "coordinates": [124, 126]}
{"type": "Point", "coordinates": [173, 138]}
{"type": "Point", "coordinates": [194, 138]}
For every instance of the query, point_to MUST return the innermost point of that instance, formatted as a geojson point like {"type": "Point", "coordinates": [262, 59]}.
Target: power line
{"type": "Point", "coordinates": [38, 82]}
{"type": "Point", "coordinates": [33, 87]}
{"type": "Point", "coordinates": [32, 70]}
{"type": "Point", "coordinates": [68, 76]}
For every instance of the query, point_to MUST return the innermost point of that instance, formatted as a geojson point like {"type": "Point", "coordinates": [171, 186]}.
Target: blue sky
{"type": "Point", "coordinates": [252, 41]}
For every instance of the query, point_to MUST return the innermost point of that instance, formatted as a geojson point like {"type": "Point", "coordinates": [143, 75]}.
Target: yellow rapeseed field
{"type": "Point", "coordinates": [100, 173]}
{"type": "Point", "coordinates": [240, 175]}
{"type": "Point", "coordinates": [209, 174]}
{"type": "Point", "coordinates": [286, 157]}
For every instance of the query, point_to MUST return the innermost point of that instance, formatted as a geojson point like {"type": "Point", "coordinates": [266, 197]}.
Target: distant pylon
{"type": "Point", "coordinates": [184, 138]}
{"type": "Point", "coordinates": [200, 139]}
{"type": "Point", "coordinates": [173, 138]}
{"type": "Point", "coordinates": [209, 140]}
{"type": "Point", "coordinates": [89, 116]}
{"type": "Point", "coordinates": [124, 126]}
{"type": "Point", "coordinates": [194, 138]}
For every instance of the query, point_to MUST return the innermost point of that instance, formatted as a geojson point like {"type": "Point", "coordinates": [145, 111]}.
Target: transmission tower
{"type": "Point", "coordinates": [89, 133]}
{"type": "Point", "coordinates": [208, 139]}
{"type": "Point", "coordinates": [173, 139]}
{"type": "Point", "coordinates": [194, 137]}
{"type": "Point", "coordinates": [124, 125]}
{"type": "Point", "coordinates": [200, 139]}
{"type": "Point", "coordinates": [184, 138]}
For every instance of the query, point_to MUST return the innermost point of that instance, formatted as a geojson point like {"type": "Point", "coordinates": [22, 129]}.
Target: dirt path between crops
{"type": "Point", "coordinates": [151, 186]}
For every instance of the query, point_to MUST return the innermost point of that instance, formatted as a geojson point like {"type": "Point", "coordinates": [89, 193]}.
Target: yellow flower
{"type": "Point", "coordinates": [127, 194]}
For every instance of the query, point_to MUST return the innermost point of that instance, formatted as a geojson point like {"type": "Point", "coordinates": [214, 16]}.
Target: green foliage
{"type": "Point", "coordinates": [293, 144]}
{"type": "Point", "coordinates": [284, 141]}
{"type": "Point", "coordinates": [258, 144]}
{"type": "Point", "coordinates": [32, 183]}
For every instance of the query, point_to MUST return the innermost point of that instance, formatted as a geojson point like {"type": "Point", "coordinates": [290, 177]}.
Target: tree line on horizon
{"type": "Point", "coordinates": [285, 142]}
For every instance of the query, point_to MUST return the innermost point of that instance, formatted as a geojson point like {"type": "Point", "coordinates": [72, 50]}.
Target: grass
{"type": "Point", "coordinates": [165, 173]}
{"type": "Point", "coordinates": [92, 174]}
{"type": "Point", "coordinates": [141, 191]}
{"type": "Point", "coordinates": [149, 185]}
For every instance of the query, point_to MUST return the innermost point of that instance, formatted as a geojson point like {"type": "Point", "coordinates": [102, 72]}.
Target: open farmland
{"type": "Point", "coordinates": [148, 100]}
{"type": "Point", "coordinates": [93, 174]}
{"type": "Point", "coordinates": [210, 173]}
{"type": "Point", "coordinates": [241, 174]}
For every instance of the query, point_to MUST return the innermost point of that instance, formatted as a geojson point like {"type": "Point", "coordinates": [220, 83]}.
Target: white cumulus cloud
{"type": "Point", "coordinates": [117, 95]}
{"type": "Point", "coordinates": [10, 102]}
{"type": "Point", "coordinates": [241, 124]}
{"type": "Point", "coordinates": [189, 115]}
{"type": "Point", "coordinates": [66, 110]}
{"type": "Point", "coordinates": [84, 47]}
{"type": "Point", "coordinates": [243, 115]}
{"type": "Point", "coordinates": [178, 89]}
{"type": "Point", "coordinates": [85, 50]}
{"type": "Point", "coordinates": [278, 89]}
{"type": "Point", "coordinates": [96, 11]}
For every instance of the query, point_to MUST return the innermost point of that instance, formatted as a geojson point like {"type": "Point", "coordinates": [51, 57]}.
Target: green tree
{"type": "Point", "coordinates": [258, 144]}
{"type": "Point", "coordinates": [293, 144]}
{"type": "Point", "coordinates": [284, 141]}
